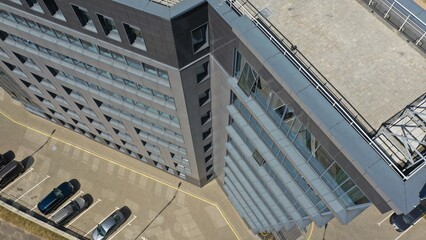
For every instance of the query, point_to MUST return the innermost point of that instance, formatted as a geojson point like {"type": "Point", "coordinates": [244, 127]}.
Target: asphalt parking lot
{"type": "Point", "coordinates": [161, 207]}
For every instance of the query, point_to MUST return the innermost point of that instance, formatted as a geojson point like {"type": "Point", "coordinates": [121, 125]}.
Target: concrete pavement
{"type": "Point", "coordinates": [115, 180]}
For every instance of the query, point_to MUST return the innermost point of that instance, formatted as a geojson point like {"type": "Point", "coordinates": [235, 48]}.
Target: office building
{"type": "Point", "coordinates": [303, 111]}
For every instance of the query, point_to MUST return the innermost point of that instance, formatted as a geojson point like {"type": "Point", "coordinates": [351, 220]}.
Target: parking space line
{"type": "Point", "coordinates": [16, 180]}
{"type": "Point", "coordinates": [32, 209]}
{"type": "Point", "coordinates": [407, 229]}
{"type": "Point", "coordinates": [47, 176]}
{"type": "Point", "coordinates": [148, 176]}
{"type": "Point", "coordinates": [57, 210]}
{"type": "Point", "coordinates": [82, 213]}
{"type": "Point", "coordinates": [134, 217]}
{"type": "Point", "coordinates": [93, 228]}
{"type": "Point", "coordinates": [379, 223]}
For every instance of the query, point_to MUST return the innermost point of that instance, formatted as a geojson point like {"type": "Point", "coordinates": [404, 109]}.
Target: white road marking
{"type": "Point", "coordinates": [100, 222]}
{"type": "Point", "coordinates": [57, 210]}
{"type": "Point", "coordinates": [47, 176]}
{"type": "Point", "coordinates": [134, 217]}
{"type": "Point", "coordinates": [83, 213]}
{"type": "Point", "coordinates": [384, 219]}
{"type": "Point", "coordinates": [19, 178]}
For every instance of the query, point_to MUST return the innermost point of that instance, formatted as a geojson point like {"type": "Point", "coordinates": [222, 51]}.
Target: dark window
{"type": "Point", "coordinates": [82, 15]}
{"type": "Point", "coordinates": [21, 58]}
{"type": "Point", "coordinates": [209, 167]}
{"type": "Point", "coordinates": [200, 38]}
{"type": "Point", "coordinates": [10, 66]}
{"type": "Point", "coordinates": [202, 72]}
{"type": "Point", "coordinates": [204, 97]}
{"type": "Point", "coordinates": [108, 24]}
{"type": "Point", "coordinates": [207, 147]}
{"type": "Point", "coordinates": [31, 3]}
{"type": "Point", "coordinates": [259, 159]}
{"type": "Point", "coordinates": [134, 35]}
{"type": "Point", "coordinates": [205, 118]}
{"type": "Point", "coordinates": [51, 5]}
{"type": "Point", "coordinates": [208, 158]}
{"type": "Point", "coordinates": [207, 133]}
{"type": "Point", "coordinates": [3, 35]}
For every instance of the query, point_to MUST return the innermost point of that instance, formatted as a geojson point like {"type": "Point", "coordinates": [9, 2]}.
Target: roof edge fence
{"type": "Point", "coordinates": [402, 19]}
{"type": "Point", "coordinates": [333, 96]}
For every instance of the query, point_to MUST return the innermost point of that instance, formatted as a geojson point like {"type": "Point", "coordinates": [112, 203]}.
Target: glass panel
{"type": "Point", "coordinates": [247, 79]}
{"type": "Point", "coordinates": [337, 173]}
{"type": "Point", "coordinates": [357, 196]}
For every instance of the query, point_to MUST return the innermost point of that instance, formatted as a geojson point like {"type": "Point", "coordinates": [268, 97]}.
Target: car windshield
{"type": "Point", "coordinates": [101, 230]}
{"type": "Point", "coordinates": [75, 206]}
{"type": "Point", "coordinates": [407, 219]}
{"type": "Point", "coordinates": [58, 193]}
{"type": "Point", "coordinates": [116, 218]}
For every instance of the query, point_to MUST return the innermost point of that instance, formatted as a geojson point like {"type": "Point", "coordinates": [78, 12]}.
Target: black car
{"type": "Point", "coordinates": [9, 172]}
{"type": "Point", "coordinates": [6, 158]}
{"type": "Point", "coordinates": [403, 221]}
{"type": "Point", "coordinates": [55, 198]}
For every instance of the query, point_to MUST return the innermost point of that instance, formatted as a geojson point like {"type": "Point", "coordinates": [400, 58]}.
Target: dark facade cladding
{"type": "Point", "coordinates": [198, 90]}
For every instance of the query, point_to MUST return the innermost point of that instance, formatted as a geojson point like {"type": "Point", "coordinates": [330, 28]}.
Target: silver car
{"type": "Point", "coordinates": [109, 225]}
{"type": "Point", "coordinates": [70, 211]}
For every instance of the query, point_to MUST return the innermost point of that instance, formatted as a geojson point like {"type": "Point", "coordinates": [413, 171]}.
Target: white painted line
{"type": "Point", "coordinates": [19, 178]}
{"type": "Point", "coordinates": [408, 229]}
{"type": "Point", "coordinates": [82, 213]}
{"type": "Point", "coordinates": [32, 188]}
{"type": "Point", "coordinates": [100, 222]}
{"type": "Point", "coordinates": [57, 210]}
{"type": "Point", "coordinates": [384, 219]}
{"type": "Point", "coordinates": [32, 209]}
{"type": "Point", "coordinates": [134, 217]}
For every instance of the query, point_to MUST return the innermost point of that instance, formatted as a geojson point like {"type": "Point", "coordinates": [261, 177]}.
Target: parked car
{"type": "Point", "coordinates": [70, 211]}
{"type": "Point", "coordinates": [109, 225]}
{"type": "Point", "coordinates": [6, 158]}
{"type": "Point", "coordinates": [403, 221]}
{"type": "Point", "coordinates": [9, 172]}
{"type": "Point", "coordinates": [56, 197]}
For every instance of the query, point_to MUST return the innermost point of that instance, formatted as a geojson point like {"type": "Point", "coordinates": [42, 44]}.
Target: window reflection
{"type": "Point", "coordinates": [284, 117]}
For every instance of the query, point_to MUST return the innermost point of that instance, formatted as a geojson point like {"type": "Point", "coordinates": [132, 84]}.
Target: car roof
{"type": "Point", "coordinates": [115, 217]}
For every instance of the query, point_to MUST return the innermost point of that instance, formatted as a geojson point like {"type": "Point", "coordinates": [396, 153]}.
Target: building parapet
{"type": "Point", "coordinates": [327, 90]}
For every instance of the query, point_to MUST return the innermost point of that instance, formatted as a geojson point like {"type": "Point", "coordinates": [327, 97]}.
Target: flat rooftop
{"type": "Point", "coordinates": [168, 3]}
{"type": "Point", "coordinates": [366, 60]}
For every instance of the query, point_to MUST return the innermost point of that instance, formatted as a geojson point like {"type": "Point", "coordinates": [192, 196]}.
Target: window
{"type": "Point", "coordinates": [204, 97]}
{"type": "Point", "coordinates": [16, 1]}
{"type": "Point", "coordinates": [84, 18]}
{"type": "Point", "coordinates": [259, 159]}
{"type": "Point", "coordinates": [54, 9]}
{"type": "Point", "coordinates": [207, 133]}
{"type": "Point", "coordinates": [209, 167]}
{"type": "Point", "coordinates": [205, 118]}
{"type": "Point", "coordinates": [208, 158]}
{"type": "Point", "coordinates": [109, 27]}
{"type": "Point", "coordinates": [207, 147]}
{"type": "Point", "coordinates": [34, 5]}
{"type": "Point", "coordinates": [200, 38]}
{"type": "Point", "coordinates": [134, 35]}
{"type": "Point", "coordinates": [202, 72]}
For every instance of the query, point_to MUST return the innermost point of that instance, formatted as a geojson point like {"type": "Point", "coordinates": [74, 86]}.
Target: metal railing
{"type": "Point", "coordinates": [402, 18]}
{"type": "Point", "coordinates": [333, 96]}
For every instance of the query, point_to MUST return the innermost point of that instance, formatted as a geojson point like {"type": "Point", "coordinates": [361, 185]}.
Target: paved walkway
{"type": "Point", "coordinates": [11, 232]}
